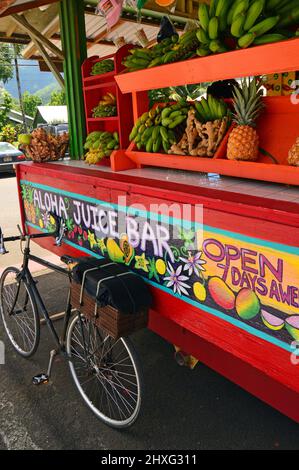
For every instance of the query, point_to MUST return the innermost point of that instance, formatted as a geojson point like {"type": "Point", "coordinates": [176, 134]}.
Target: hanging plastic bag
{"type": "Point", "coordinates": [111, 10]}
{"type": "Point", "coordinates": [166, 29]}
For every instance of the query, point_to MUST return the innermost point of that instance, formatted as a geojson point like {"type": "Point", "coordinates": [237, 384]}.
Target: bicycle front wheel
{"type": "Point", "coordinates": [19, 312]}
{"type": "Point", "coordinates": [106, 372]}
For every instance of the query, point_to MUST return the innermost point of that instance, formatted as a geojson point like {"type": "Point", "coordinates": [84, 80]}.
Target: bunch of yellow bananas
{"type": "Point", "coordinates": [108, 99]}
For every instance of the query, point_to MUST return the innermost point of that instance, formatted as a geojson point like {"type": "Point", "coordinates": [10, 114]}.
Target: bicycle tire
{"type": "Point", "coordinates": [105, 374]}
{"type": "Point", "coordinates": [24, 335]}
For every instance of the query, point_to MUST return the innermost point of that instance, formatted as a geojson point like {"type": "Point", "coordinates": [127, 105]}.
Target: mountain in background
{"type": "Point", "coordinates": [33, 80]}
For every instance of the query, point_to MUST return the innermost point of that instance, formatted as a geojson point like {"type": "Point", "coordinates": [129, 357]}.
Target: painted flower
{"type": "Point", "coordinates": [101, 245]}
{"type": "Point", "coordinates": [91, 239]}
{"type": "Point", "coordinates": [188, 238]}
{"type": "Point", "coordinates": [176, 280]}
{"type": "Point", "coordinates": [141, 262]}
{"type": "Point", "coordinates": [194, 263]}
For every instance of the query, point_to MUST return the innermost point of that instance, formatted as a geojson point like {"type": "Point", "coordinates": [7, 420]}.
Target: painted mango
{"type": "Point", "coordinates": [247, 304]}
{"type": "Point", "coordinates": [126, 248]}
{"type": "Point", "coordinates": [292, 325]}
{"type": "Point", "coordinates": [221, 293]}
{"type": "Point", "coordinates": [271, 321]}
{"type": "Point", "coordinates": [114, 252]}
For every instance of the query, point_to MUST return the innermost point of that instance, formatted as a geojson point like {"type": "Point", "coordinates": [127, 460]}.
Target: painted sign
{"type": "Point", "coordinates": [249, 282]}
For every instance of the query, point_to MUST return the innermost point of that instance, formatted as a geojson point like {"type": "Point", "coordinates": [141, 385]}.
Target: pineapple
{"type": "Point", "coordinates": [243, 142]}
{"type": "Point", "coordinates": [294, 154]}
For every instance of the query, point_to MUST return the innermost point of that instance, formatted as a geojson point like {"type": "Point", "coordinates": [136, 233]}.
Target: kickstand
{"type": "Point", "coordinates": [44, 378]}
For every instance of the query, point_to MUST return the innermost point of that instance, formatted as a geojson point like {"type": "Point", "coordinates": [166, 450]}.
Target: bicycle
{"type": "Point", "coordinates": [106, 372]}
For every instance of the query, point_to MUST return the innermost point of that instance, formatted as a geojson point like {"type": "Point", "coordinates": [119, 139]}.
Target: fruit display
{"type": "Point", "coordinates": [210, 109]}
{"type": "Point", "coordinates": [100, 144]}
{"type": "Point", "coordinates": [106, 107]}
{"type": "Point", "coordinates": [224, 25]}
{"type": "Point", "coordinates": [182, 128]}
{"type": "Point", "coordinates": [200, 139]}
{"type": "Point", "coordinates": [243, 141]}
{"type": "Point", "coordinates": [293, 158]}
{"type": "Point", "coordinates": [103, 66]}
{"type": "Point", "coordinates": [41, 146]}
{"type": "Point", "coordinates": [154, 130]}
{"type": "Point", "coordinates": [171, 49]}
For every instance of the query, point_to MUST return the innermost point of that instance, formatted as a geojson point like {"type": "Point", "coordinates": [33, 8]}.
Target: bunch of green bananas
{"type": "Point", "coordinates": [248, 21]}
{"type": "Point", "coordinates": [154, 129]}
{"type": "Point", "coordinates": [171, 49]}
{"type": "Point", "coordinates": [104, 66]}
{"type": "Point", "coordinates": [211, 109]}
{"type": "Point", "coordinates": [213, 22]}
{"type": "Point", "coordinates": [100, 144]}
{"type": "Point", "coordinates": [288, 11]}
{"type": "Point", "coordinates": [107, 110]}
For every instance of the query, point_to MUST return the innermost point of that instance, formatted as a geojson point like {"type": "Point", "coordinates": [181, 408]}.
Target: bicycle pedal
{"type": "Point", "coordinates": [40, 379]}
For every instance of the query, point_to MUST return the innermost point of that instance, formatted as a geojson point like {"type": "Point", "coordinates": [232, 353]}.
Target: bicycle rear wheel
{"type": "Point", "coordinates": [106, 372]}
{"type": "Point", "coordinates": [19, 312]}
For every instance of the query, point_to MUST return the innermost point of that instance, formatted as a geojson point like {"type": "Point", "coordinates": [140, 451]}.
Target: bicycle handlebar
{"type": "Point", "coordinates": [33, 235]}
{"type": "Point", "coordinates": [58, 234]}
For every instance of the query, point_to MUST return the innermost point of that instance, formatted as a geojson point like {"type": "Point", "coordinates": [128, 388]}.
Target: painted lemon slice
{"type": "Point", "coordinates": [199, 291]}
{"type": "Point", "coordinates": [292, 325]}
{"type": "Point", "coordinates": [160, 267]}
{"type": "Point", "coordinates": [271, 321]}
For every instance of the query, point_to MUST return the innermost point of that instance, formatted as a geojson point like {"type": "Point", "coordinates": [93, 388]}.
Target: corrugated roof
{"type": "Point", "coordinates": [96, 30]}
{"type": "Point", "coordinates": [53, 114]}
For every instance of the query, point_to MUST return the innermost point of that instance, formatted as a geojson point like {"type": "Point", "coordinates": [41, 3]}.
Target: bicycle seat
{"type": "Point", "coordinates": [110, 283]}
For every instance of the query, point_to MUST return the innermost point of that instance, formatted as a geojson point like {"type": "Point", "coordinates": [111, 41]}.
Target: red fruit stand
{"type": "Point", "coordinates": [216, 240]}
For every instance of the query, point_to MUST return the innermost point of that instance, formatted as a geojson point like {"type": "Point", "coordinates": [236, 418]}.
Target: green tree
{"type": "Point", "coordinates": [57, 98]}
{"type": "Point", "coordinates": [9, 133]}
{"type": "Point", "coordinates": [30, 103]}
{"type": "Point", "coordinates": [5, 107]}
{"type": "Point", "coordinates": [6, 62]}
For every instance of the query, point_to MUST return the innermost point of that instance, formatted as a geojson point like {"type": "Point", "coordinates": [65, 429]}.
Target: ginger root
{"type": "Point", "coordinates": [200, 139]}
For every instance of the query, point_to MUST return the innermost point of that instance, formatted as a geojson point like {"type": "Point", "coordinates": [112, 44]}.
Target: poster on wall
{"type": "Point", "coordinates": [249, 282]}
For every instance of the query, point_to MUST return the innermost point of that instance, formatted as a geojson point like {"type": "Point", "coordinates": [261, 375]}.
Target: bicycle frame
{"type": "Point", "coordinates": [26, 274]}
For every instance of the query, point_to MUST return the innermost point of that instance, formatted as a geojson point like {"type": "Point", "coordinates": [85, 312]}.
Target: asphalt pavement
{"type": "Point", "coordinates": [182, 409]}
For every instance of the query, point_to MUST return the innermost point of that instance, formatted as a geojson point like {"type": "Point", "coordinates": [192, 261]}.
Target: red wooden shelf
{"type": "Point", "coordinates": [99, 77]}
{"type": "Point", "coordinates": [94, 87]}
{"type": "Point", "coordinates": [100, 85]}
{"type": "Point", "coordinates": [110, 118]}
{"type": "Point", "coordinates": [259, 60]}
{"type": "Point", "coordinates": [250, 170]}
{"type": "Point", "coordinates": [278, 129]}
